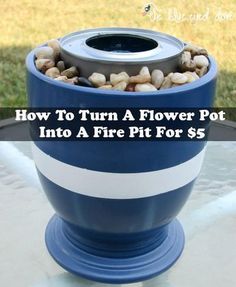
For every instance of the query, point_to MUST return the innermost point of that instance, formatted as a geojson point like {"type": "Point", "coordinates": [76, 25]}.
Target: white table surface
{"type": "Point", "coordinates": [209, 220]}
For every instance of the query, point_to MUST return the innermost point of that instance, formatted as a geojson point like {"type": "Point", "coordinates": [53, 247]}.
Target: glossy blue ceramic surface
{"type": "Point", "coordinates": [107, 237]}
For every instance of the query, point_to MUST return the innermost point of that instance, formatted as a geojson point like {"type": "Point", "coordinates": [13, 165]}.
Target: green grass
{"type": "Point", "coordinates": [25, 24]}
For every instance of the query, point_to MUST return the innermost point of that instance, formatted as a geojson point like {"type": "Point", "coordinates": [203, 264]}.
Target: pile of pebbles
{"type": "Point", "coordinates": [193, 65]}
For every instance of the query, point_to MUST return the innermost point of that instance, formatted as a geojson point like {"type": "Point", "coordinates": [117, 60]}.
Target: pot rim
{"type": "Point", "coordinates": [209, 76]}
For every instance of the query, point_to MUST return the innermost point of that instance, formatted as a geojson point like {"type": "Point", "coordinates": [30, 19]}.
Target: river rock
{"type": "Point", "coordinates": [178, 78]}
{"type": "Point", "coordinates": [201, 61]}
{"type": "Point", "coordinates": [44, 53]}
{"type": "Point", "coordinates": [97, 79]}
{"type": "Point", "coordinates": [147, 87]}
{"type": "Point", "coordinates": [116, 78]}
{"type": "Point", "coordinates": [53, 73]}
{"type": "Point", "coordinates": [167, 83]}
{"type": "Point", "coordinates": [54, 44]}
{"type": "Point", "coordinates": [121, 86]}
{"type": "Point", "coordinates": [62, 79]}
{"type": "Point", "coordinates": [143, 77]}
{"type": "Point", "coordinates": [106, 87]}
{"type": "Point", "coordinates": [71, 72]}
{"type": "Point", "coordinates": [82, 81]}
{"type": "Point", "coordinates": [201, 71]}
{"type": "Point", "coordinates": [44, 64]}
{"type": "Point", "coordinates": [192, 76]}
{"type": "Point", "coordinates": [61, 66]}
{"type": "Point", "coordinates": [157, 78]}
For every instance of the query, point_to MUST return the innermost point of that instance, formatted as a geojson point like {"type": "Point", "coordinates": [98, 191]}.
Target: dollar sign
{"type": "Point", "coordinates": [191, 132]}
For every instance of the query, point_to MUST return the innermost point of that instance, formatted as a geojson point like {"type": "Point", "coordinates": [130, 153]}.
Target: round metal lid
{"type": "Point", "coordinates": [125, 45]}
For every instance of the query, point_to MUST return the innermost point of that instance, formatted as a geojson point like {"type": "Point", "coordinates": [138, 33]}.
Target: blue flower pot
{"type": "Point", "coordinates": [116, 202]}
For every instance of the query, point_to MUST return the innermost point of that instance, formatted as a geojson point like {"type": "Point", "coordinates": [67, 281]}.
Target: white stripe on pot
{"type": "Point", "coordinates": [117, 185]}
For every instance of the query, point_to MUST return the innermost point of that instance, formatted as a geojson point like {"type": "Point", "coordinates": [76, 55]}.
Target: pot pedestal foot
{"type": "Point", "coordinates": [115, 270]}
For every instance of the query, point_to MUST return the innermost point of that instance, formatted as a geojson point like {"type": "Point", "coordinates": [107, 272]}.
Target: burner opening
{"type": "Point", "coordinates": [122, 43]}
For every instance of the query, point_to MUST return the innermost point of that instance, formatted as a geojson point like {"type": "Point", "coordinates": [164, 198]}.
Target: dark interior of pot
{"type": "Point", "coordinates": [121, 43]}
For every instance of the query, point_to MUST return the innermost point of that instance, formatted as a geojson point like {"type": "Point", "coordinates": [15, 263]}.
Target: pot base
{"type": "Point", "coordinates": [113, 270]}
